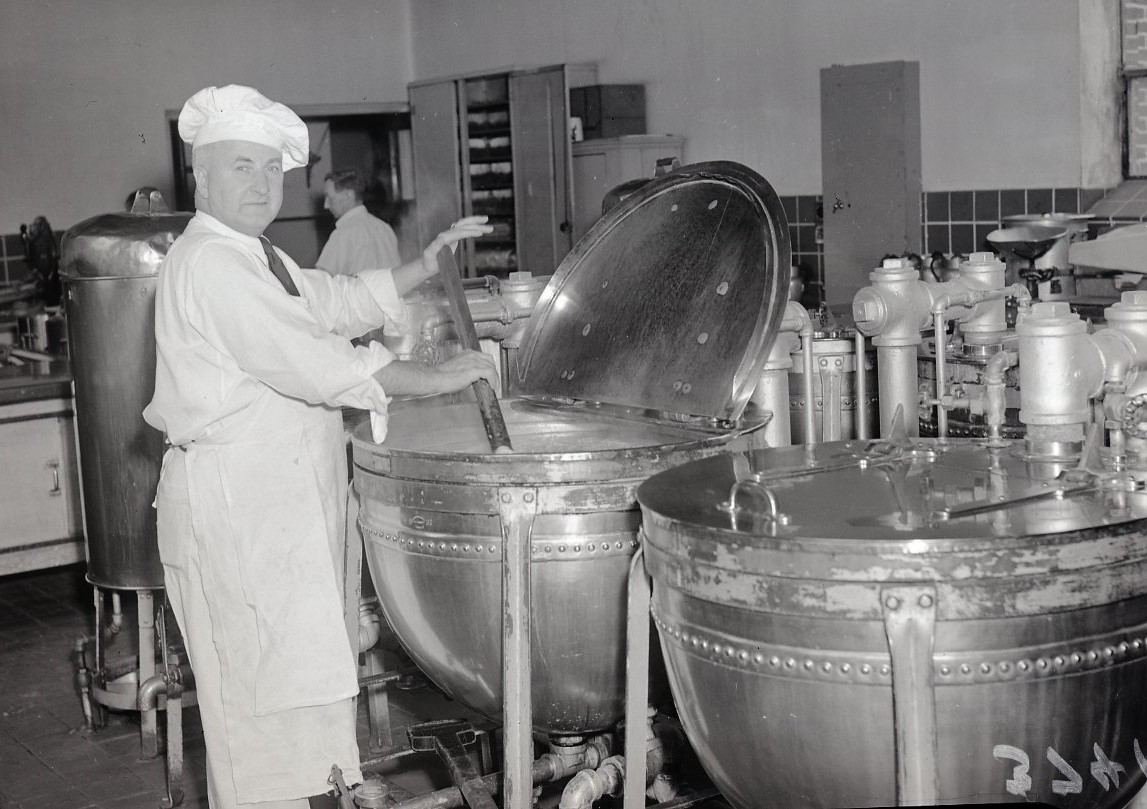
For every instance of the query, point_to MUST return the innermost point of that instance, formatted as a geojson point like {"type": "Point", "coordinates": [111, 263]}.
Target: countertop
{"type": "Point", "coordinates": [35, 380]}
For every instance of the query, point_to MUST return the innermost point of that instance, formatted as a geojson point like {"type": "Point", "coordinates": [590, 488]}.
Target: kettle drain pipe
{"type": "Point", "coordinates": [547, 768]}
{"type": "Point", "coordinates": [157, 684]}
{"type": "Point", "coordinates": [590, 785]}
{"type": "Point", "coordinates": [117, 614]}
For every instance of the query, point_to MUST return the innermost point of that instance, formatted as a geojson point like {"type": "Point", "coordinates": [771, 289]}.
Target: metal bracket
{"type": "Point", "coordinates": [450, 738]}
{"type": "Point", "coordinates": [639, 596]}
{"type": "Point", "coordinates": [517, 507]}
{"type": "Point", "coordinates": [910, 626]}
{"type": "Point", "coordinates": [174, 696]}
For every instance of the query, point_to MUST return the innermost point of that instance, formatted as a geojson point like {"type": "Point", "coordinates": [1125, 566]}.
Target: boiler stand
{"type": "Point", "coordinates": [118, 689]}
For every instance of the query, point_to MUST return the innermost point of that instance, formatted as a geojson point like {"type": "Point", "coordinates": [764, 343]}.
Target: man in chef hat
{"type": "Point", "coordinates": [254, 360]}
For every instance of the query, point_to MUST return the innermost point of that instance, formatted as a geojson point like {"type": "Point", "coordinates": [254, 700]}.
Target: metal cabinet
{"type": "Point", "coordinates": [498, 144]}
{"type": "Point", "coordinates": [870, 166]}
{"type": "Point", "coordinates": [604, 163]}
{"type": "Point", "coordinates": [39, 488]}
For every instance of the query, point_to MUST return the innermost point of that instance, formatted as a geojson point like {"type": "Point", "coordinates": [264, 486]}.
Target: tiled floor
{"type": "Point", "coordinates": [49, 761]}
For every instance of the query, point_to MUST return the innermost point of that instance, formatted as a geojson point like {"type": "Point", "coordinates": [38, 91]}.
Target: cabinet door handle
{"type": "Point", "coordinates": [55, 491]}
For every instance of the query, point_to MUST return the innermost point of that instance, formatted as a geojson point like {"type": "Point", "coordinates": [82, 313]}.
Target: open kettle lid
{"type": "Point", "coordinates": [670, 302]}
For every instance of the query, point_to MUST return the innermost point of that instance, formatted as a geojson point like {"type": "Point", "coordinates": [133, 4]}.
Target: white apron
{"type": "Point", "coordinates": [257, 521]}
{"type": "Point", "coordinates": [250, 380]}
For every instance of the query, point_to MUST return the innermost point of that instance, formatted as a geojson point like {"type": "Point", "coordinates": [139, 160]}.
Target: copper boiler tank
{"type": "Point", "coordinates": [641, 354]}
{"type": "Point", "coordinates": [110, 266]}
{"type": "Point", "coordinates": [893, 623]}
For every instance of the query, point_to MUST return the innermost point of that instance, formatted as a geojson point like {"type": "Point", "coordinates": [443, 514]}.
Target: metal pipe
{"type": "Point", "coordinates": [489, 318]}
{"type": "Point", "coordinates": [940, 342]}
{"type": "Point", "coordinates": [157, 684]}
{"type": "Point", "coordinates": [580, 792]}
{"type": "Point", "coordinates": [969, 302]}
{"type": "Point", "coordinates": [772, 394]}
{"type": "Point", "coordinates": [898, 383]}
{"type": "Point", "coordinates": [797, 320]}
{"type": "Point", "coordinates": [806, 333]}
{"type": "Point", "coordinates": [1117, 439]}
{"type": "Point", "coordinates": [369, 625]}
{"type": "Point", "coordinates": [149, 691]}
{"type": "Point", "coordinates": [897, 305]}
{"type": "Point", "coordinates": [545, 769]}
{"type": "Point", "coordinates": [98, 603]}
{"type": "Point", "coordinates": [861, 388]}
{"type": "Point", "coordinates": [995, 383]}
{"type": "Point", "coordinates": [145, 620]}
{"type": "Point", "coordinates": [84, 681]}
{"type": "Point", "coordinates": [589, 785]}
{"type": "Point", "coordinates": [117, 614]}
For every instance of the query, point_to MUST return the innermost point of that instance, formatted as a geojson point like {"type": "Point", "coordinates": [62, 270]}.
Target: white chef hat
{"type": "Point", "coordinates": [236, 112]}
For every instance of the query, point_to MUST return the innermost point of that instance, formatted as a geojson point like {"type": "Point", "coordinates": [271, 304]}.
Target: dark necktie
{"type": "Point", "coordinates": [278, 268]}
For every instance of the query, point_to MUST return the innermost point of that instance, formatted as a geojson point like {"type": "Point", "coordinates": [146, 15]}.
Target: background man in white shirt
{"type": "Point", "coordinates": [361, 241]}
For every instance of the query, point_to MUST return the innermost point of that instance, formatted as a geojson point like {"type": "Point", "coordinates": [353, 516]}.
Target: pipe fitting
{"type": "Point", "coordinates": [580, 792]}
{"type": "Point", "coordinates": [984, 273]}
{"type": "Point", "coordinates": [369, 625]}
{"type": "Point", "coordinates": [495, 309]}
{"type": "Point", "coordinates": [1061, 370]}
{"type": "Point", "coordinates": [772, 392]}
{"type": "Point", "coordinates": [995, 384]}
{"type": "Point", "coordinates": [149, 691]}
{"type": "Point", "coordinates": [895, 307]}
{"type": "Point", "coordinates": [899, 384]}
{"type": "Point", "coordinates": [1127, 318]}
{"type": "Point", "coordinates": [590, 785]}
{"type": "Point", "coordinates": [893, 310]}
{"type": "Point", "coordinates": [664, 788]}
{"type": "Point", "coordinates": [796, 316]}
{"type": "Point", "coordinates": [117, 615]}
{"type": "Point", "coordinates": [180, 680]}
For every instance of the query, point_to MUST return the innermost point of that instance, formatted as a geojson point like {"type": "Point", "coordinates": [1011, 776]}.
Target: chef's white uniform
{"type": "Point", "coordinates": [251, 500]}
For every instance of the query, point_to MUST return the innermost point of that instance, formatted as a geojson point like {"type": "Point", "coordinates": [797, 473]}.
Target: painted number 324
{"type": "Point", "coordinates": [1103, 770]}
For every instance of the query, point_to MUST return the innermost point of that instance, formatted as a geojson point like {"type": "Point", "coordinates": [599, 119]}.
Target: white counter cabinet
{"type": "Point", "coordinates": [40, 521]}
